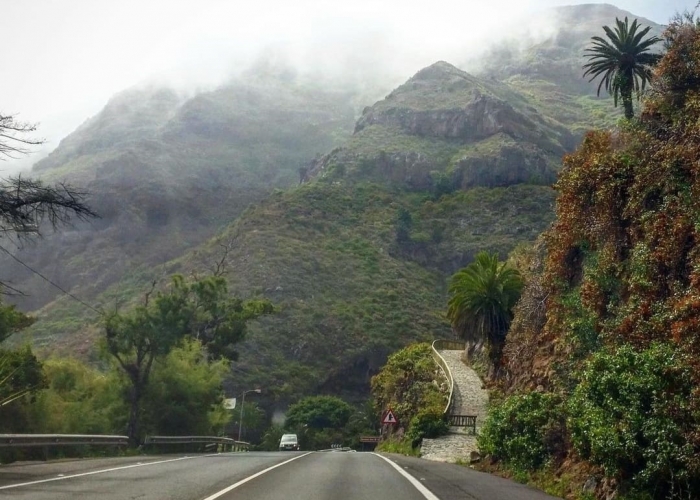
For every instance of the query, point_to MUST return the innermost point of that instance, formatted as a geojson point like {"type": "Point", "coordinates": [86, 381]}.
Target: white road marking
{"type": "Point", "coordinates": [61, 476]}
{"type": "Point", "coordinates": [416, 484]}
{"type": "Point", "coordinates": [249, 478]}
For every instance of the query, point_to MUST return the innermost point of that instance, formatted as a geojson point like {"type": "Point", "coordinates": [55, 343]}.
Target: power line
{"type": "Point", "coordinates": [16, 259]}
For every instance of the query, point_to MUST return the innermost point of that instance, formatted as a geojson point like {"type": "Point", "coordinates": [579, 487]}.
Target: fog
{"type": "Point", "coordinates": [62, 61]}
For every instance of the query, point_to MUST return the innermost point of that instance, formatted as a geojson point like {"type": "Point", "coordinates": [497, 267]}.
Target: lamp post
{"type": "Point", "coordinates": [240, 422]}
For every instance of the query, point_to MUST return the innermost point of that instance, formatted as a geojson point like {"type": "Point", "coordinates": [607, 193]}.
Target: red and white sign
{"type": "Point", "coordinates": [389, 418]}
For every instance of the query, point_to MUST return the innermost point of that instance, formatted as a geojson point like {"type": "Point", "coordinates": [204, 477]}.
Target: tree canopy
{"type": "Point", "coordinates": [202, 310]}
{"type": "Point", "coordinates": [482, 297]}
{"type": "Point", "coordinates": [318, 412]}
{"type": "Point", "coordinates": [624, 61]}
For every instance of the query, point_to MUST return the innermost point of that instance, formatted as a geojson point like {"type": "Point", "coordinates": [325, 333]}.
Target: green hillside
{"type": "Point", "coordinates": [357, 257]}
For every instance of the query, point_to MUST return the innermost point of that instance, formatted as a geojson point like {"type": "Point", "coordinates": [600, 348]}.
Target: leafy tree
{"type": "Point", "coordinates": [77, 399]}
{"type": "Point", "coordinates": [319, 421]}
{"type": "Point", "coordinates": [624, 61]}
{"type": "Point", "coordinates": [12, 320]}
{"type": "Point", "coordinates": [318, 412]}
{"type": "Point", "coordinates": [483, 295]}
{"type": "Point", "coordinates": [20, 371]}
{"type": "Point", "coordinates": [254, 422]}
{"type": "Point", "coordinates": [202, 310]}
{"type": "Point", "coordinates": [271, 438]}
{"type": "Point", "coordinates": [20, 374]}
{"type": "Point", "coordinates": [184, 395]}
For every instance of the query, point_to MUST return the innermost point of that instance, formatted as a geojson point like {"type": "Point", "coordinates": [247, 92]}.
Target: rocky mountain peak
{"type": "Point", "coordinates": [440, 70]}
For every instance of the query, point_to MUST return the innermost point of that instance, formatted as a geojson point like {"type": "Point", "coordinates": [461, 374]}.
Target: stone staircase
{"type": "Point", "coordinates": [469, 398]}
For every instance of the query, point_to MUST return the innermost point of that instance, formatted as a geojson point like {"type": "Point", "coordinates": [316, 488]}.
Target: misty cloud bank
{"type": "Point", "coordinates": [73, 67]}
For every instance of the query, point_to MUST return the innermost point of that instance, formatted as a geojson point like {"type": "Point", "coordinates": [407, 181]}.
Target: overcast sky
{"type": "Point", "coordinates": [63, 59]}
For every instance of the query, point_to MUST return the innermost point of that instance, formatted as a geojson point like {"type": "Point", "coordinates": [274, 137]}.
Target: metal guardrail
{"type": "Point", "coordinates": [451, 345]}
{"type": "Point", "coordinates": [226, 442]}
{"type": "Point", "coordinates": [50, 440]}
{"type": "Point", "coordinates": [27, 440]}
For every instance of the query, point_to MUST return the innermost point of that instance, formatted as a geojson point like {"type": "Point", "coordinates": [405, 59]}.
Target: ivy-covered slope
{"type": "Point", "coordinates": [609, 326]}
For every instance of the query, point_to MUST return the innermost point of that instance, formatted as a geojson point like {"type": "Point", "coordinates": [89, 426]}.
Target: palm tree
{"type": "Point", "coordinates": [482, 298]}
{"type": "Point", "coordinates": [624, 61]}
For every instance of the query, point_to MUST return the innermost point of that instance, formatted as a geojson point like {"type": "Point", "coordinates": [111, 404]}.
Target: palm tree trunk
{"type": "Point", "coordinates": [627, 103]}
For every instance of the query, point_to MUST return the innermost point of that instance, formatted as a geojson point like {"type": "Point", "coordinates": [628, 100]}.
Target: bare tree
{"type": "Point", "coordinates": [13, 140]}
{"type": "Point", "coordinates": [26, 203]}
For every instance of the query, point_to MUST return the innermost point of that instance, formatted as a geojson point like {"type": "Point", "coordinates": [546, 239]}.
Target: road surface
{"type": "Point", "coordinates": [257, 475]}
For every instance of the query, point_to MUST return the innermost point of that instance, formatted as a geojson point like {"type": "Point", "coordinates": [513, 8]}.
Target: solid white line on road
{"type": "Point", "coordinates": [61, 476]}
{"type": "Point", "coordinates": [423, 490]}
{"type": "Point", "coordinates": [249, 478]}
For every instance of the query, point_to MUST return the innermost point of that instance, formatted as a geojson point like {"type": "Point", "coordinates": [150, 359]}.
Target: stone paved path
{"type": "Point", "coordinates": [470, 398]}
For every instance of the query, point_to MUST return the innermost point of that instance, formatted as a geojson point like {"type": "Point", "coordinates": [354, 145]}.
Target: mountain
{"type": "Point", "coordinates": [349, 285]}
{"type": "Point", "coordinates": [166, 172]}
{"type": "Point", "coordinates": [446, 124]}
{"type": "Point", "coordinates": [356, 258]}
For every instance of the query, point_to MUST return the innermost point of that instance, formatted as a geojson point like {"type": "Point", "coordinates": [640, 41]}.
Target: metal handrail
{"type": "Point", "coordinates": [23, 440]}
{"type": "Point", "coordinates": [450, 345]}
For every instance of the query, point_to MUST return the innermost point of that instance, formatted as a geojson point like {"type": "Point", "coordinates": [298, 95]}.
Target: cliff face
{"type": "Point", "coordinates": [444, 125]}
{"type": "Point", "coordinates": [444, 102]}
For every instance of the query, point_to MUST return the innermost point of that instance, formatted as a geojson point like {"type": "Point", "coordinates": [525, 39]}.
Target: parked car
{"type": "Point", "coordinates": [289, 442]}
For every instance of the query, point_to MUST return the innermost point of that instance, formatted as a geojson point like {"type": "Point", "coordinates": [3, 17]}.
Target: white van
{"type": "Point", "coordinates": [289, 442]}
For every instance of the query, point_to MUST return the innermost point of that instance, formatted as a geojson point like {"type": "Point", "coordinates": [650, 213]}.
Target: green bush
{"type": "Point", "coordinates": [427, 424]}
{"type": "Point", "coordinates": [631, 414]}
{"type": "Point", "coordinates": [525, 431]}
{"type": "Point", "coordinates": [406, 384]}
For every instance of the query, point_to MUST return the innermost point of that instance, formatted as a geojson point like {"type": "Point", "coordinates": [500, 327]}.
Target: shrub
{"type": "Point", "coordinates": [525, 431]}
{"type": "Point", "coordinates": [631, 414]}
{"type": "Point", "coordinates": [427, 424]}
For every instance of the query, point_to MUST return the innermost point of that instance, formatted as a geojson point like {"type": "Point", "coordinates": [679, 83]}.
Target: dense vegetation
{"type": "Point", "coordinates": [414, 387]}
{"type": "Point", "coordinates": [615, 347]}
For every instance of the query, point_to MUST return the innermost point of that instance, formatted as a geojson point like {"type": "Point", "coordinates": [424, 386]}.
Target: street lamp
{"type": "Point", "coordinates": [240, 422]}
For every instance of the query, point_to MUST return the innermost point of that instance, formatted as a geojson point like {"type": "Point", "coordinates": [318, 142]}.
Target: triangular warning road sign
{"type": "Point", "coordinates": [389, 417]}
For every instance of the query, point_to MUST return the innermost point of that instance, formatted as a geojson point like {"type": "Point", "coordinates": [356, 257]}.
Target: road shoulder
{"type": "Point", "coordinates": [455, 482]}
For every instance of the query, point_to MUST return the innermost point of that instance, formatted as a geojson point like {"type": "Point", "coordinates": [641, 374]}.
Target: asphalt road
{"type": "Point", "coordinates": [263, 476]}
